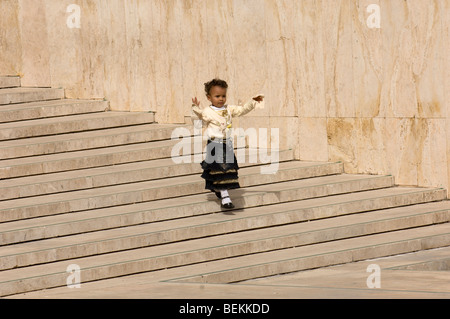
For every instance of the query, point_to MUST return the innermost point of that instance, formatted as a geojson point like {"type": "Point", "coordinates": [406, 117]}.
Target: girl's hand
{"type": "Point", "coordinates": [259, 98]}
{"type": "Point", "coordinates": [196, 102]}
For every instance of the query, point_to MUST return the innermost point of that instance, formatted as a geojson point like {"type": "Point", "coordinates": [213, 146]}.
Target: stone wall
{"type": "Point", "coordinates": [375, 98]}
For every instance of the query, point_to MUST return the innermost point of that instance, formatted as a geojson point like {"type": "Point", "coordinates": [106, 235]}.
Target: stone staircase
{"type": "Point", "coordinates": [83, 185]}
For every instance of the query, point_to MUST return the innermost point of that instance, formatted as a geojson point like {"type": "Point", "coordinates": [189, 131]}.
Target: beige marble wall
{"type": "Point", "coordinates": [375, 98]}
{"type": "Point", "coordinates": [10, 38]}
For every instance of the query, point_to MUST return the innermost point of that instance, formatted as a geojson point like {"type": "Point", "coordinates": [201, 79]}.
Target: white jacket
{"type": "Point", "coordinates": [218, 123]}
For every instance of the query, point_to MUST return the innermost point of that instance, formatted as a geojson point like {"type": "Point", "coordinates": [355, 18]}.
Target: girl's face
{"type": "Point", "coordinates": [218, 96]}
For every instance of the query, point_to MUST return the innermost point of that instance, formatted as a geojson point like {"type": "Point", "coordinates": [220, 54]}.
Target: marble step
{"type": "Point", "coordinates": [322, 255]}
{"type": "Point", "coordinates": [175, 187]}
{"type": "Point", "coordinates": [49, 109]}
{"type": "Point", "coordinates": [25, 95]}
{"type": "Point", "coordinates": [77, 141]}
{"type": "Point", "coordinates": [256, 253]}
{"type": "Point", "coordinates": [82, 159]}
{"type": "Point", "coordinates": [9, 82]}
{"type": "Point", "coordinates": [72, 123]}
{"type": "Point", "coordinates": [199, 210]}
{"type": "Point", "coordinates": [143, 171]}
{"type": "Point", "coordinates": [121, 154]}
{"type": "Point", "coordinates": [263, 218]}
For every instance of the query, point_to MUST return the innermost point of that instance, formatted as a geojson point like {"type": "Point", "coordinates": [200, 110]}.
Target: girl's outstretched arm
{"type": "Point", "coordinates": [199, 114]}
{"type": "Point", "coordinates": [195, 101]}
{"type": "Point", "coordinates": [239, 110]}
{"type": "Point", "coordinates": [196, 108]}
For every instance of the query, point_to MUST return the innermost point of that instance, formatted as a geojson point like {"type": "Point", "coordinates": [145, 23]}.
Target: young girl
{"type": "Point", "coordinates": [220, 166]}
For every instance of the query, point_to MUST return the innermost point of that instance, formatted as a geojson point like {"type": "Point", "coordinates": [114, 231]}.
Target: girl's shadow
{"type": "Point", "coordinates": [236, 197]}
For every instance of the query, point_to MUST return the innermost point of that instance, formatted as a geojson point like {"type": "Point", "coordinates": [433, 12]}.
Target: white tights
{"type": "Point", "coordinates": [225, 197]}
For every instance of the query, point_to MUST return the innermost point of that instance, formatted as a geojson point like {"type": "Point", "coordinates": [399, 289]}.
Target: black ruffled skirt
{"type": "Point", "coordinates": [220, 167]}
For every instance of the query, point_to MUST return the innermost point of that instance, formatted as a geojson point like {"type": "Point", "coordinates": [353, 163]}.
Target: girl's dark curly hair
{"type": "Point", "coordinates": [215, 82]}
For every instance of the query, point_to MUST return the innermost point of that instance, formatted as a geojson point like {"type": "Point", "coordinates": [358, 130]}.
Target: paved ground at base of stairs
{"type": "Point", "coordinates": [423, 279]}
